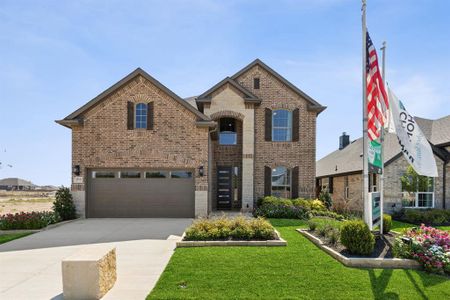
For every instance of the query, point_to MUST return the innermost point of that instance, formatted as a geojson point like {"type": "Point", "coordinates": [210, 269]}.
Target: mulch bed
{"type": "Point", "coordinates": [382, 248]}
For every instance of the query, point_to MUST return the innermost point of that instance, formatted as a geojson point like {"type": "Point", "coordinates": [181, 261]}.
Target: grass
{"type": "Point", "coordinates": [298, 271]}
{"type": "Point", "coordinates": [399, 226]}
{"type": "Point", "coordinates": [4, 238]}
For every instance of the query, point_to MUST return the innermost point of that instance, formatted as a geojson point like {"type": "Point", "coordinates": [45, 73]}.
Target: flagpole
{"type": "Point", "coordinates": [364, 105]}
{"type": "Point", "coordinates": [383, 74]}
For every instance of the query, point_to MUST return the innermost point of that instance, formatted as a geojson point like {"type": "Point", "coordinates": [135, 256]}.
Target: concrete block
{"type": "Point", "coordinates": [89, 273]}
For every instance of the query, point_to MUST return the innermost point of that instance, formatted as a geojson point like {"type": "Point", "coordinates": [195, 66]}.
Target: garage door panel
{"type": "Point", "coordinates": [140, 197]}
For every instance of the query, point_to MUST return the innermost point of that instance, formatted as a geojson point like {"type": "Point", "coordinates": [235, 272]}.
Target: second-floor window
{"type": "Point", "coordinates": [227, 134]}
{"type": "Point", "coordinates": [281, 125]}
{"type": "Point", "coordinates": [141, 116]}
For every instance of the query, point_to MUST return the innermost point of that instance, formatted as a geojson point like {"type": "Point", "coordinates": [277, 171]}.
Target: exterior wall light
{"type": "Point", "coordinates": [76, 170]}
{"type": "Point", "coordinates": [201, 171]}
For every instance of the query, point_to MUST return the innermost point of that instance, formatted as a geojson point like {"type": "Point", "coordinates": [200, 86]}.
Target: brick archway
{"type": "Point", "coordinates": [227, 114]}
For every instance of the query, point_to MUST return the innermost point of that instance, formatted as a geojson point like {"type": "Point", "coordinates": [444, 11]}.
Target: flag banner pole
{"type": "Point", "coordinates": [383, 75]}
{"type": "Point", "coordinates": [365, 190]}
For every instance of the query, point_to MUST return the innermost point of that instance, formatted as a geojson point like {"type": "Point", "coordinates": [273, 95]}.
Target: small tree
{"type": "Point", "coordinates": [63, 204]}
{"type": "Point", "coordinates": [413, 182]}
{"type": "Point", "coordinates": [325, 197]}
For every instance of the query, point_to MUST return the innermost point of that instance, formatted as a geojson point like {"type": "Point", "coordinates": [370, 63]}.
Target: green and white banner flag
{"type": "Point", "coordinates": [374, 156]}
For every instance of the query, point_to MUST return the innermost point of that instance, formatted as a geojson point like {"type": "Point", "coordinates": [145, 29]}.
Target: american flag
{"type": "Point", "coordinates": [377, 100]}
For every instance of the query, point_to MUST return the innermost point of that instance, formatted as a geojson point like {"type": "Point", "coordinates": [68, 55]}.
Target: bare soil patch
{"type": "Point", "coordinates": [27, 201]}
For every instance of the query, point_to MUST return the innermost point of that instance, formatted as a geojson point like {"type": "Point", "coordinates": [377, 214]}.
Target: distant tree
{"type": "Point", "coordinates": [413, 182]}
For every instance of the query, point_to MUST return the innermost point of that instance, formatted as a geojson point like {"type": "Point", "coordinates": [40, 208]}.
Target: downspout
{"type": "Point", "coordinates": [444, 178]}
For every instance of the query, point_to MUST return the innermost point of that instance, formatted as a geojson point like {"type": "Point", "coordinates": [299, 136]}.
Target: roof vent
{"type": "Point", "coordinates": [344, 141]}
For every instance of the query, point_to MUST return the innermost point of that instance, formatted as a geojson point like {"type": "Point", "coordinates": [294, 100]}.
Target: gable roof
{"type": "Point", "coordinates": [349, 159]}
{"type": "Point", "coordinates": [73, 118]}
{"type": "Point", "coordinates": [313, 104]}
{"type": "Point", "coordinates": [248, 96]}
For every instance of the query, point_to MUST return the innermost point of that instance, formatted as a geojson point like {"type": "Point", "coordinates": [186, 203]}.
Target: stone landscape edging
{"type": "Point", "coordinates": [362, 262]}
{"type": "Point", "coordinates": [270, 243]}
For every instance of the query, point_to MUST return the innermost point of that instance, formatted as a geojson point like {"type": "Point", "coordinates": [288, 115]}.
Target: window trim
{"type": "Point", "coordinates": [136, 115]}
{"type": "Point", "coordinates": [289, 128]}
{"type": "Point", "coordinates": [94, 175]}
{"type": "Point", "coordinates": [286, 186]}
{"type": "Point", "coordinates": [416, 197]}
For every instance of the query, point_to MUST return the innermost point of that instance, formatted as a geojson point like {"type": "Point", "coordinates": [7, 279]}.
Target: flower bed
{"type": "Point", "coordinates": [237, 229]}
{"type": "Point", "coordinates": [428, 245]}
{"type": "Point", "coordinates": [28, 220]}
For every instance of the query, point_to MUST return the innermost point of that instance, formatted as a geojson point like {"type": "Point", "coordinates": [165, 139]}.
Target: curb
{"type": "Point", "coordinates": [362, 262]}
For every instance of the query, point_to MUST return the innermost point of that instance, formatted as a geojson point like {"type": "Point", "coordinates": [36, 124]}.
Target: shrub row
{"type": "Point", "coordinates": [238, 228]}
{"type": "Point", "coordinates": [30, 220]}
{"type": "Point", "coordinates": [435, 217]}
{"type": "Point", "coordinates": [309, 204]}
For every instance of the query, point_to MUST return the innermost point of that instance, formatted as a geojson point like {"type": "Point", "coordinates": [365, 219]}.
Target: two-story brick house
{"type": "Point", "coordinates": [139, 150]}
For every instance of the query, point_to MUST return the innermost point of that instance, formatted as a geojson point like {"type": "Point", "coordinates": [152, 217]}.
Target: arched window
{"type": "Point", "coordinates": [141, 116]}
{"type": "Point", "coordinates": [281, 125]}
{"type": "Point", "coordinates": [227, 134]}
{"type": "Point", "coordinates": [281, 182]}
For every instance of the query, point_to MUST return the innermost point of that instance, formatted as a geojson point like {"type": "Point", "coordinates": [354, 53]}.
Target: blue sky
{"type": "Point", "coordinates": [57, 55]}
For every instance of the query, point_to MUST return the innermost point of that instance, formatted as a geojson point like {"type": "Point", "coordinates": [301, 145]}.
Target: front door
{"type": "Point", "coordinates": [224, 187]}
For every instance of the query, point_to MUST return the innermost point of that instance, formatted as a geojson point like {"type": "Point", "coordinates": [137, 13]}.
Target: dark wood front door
{"type": "Point", "coordinates": [224, 187]}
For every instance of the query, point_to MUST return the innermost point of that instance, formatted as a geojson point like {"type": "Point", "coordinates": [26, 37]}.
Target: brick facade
{"type": "Point", "coordinates": [274, 95]}
{"type": "Point", "coordinates": [175, 142]}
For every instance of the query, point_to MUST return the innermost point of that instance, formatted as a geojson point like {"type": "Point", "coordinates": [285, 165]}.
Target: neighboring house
{"type": "Point", "coordinates": [341, 172]}
{"type": "Point", "coordinates": [16, 184]}
{"type": "Point", "coordinates": [139, 150]}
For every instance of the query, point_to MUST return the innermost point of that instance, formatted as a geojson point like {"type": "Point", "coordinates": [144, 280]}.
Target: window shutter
{"type": "Point", "coordinates": [268, 125]}
{"type": "Point", "coordinates": [295, 125]}
{"type": "Point", "coordinates": [150, 115]}
{"type": "Point", "coordinates": [267, 181]}
{"type": "Point", "coordinates": [294, 187]}
{"type": "Point", "coordinates": [130, 115]}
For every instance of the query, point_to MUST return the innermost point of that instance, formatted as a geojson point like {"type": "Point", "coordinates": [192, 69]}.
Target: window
{"type": "Point", "coordinates": [103, 174]}
{"type": "Point", "coordinates": [227, 134]}
{"type": "Point", "coordinates": [417, 191]}
{"type": "Point", "coordinates": [373, 182]}
{"type": "Point", "coordinates": [281, 182]}
{"type": "Point", "coordinates": [130, 174]}
{"type": "Point", "coordinates": [256, 83]}
{"type": "Point", "coordinates": [330, 185]}
{"type": "Point", "coordinates": [281, 126]}
{"type": "Point", "coordinates": [141, 116]}
{"type": "Point", "coordinates": [346, 188]}
{"type": "Point", "coordinates": [180, 174]}
{"type": "Point", "coordinates": [155, 174]}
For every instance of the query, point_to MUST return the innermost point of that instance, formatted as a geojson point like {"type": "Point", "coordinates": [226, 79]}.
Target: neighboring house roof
{"type": "Point", "coordinates": [349, 159]}
{"type": "Point", "coordinates": [248, 96]}
{"type": "Point", "coordinates": [74, 118]}
{"type": "Point", "coordinates": [15, 182]}
{"type": "Point", "coordinates": [191, 101]}
{"type": "Point", "coordinates": [314, 105]}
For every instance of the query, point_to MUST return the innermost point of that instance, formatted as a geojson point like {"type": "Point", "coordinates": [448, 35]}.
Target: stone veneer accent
{"type": "Point", "coordinates": [175, 142]}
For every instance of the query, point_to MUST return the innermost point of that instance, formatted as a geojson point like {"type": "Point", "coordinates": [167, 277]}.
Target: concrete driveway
{"type": "Point", "coordinates": [31, 266]}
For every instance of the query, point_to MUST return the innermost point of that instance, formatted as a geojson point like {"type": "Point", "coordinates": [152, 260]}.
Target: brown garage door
{"type": "Point", "coordinates": [140, 194]}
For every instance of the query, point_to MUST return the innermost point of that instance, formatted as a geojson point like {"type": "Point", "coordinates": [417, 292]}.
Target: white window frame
{"type": "Point", "coordinates": [416, 198]}
{"type": "Point", "coordinates": [136, 115]}
{"type": "Point", "coordinates": [286, 186]}
{"type": "Point", "coordinates": [288, 128]}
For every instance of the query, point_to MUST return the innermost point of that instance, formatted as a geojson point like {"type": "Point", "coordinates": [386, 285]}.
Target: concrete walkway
{"type": "Point", "coordinates": [30, 267]}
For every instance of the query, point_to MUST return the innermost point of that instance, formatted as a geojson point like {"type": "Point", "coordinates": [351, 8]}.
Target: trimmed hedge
{"type": "Point", "coordinates": [387, 223]}
{"type": "Point", "coordinates": [357, 238]}
{"type": "Point", "coordinates": [281, 211]}
{"type": "Point", "coordinates": [436, 217]}
{"type": "Point", "coordinates": [29, 220]}
{"type": "Point", "coordinates": [238, 228]}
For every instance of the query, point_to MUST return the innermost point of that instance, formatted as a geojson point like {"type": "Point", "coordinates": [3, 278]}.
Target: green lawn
{"type": "Point", "coordinates": [4, 238]}
{"type": "Point", "coordinates": [400, 226]}
{"type": "Point", "coordinates": [298, 271]}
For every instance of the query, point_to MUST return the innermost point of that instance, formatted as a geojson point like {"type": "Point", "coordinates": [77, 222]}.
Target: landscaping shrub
{"type": "Point", "coordinates": [239, 228]}
{"type": "Point", "coordinates": [63, 204]}
{"type": "Point", "coordinates": [427, 245]}
{"type": "Point", "coordinates": [333, 236]}
{"type": "Point", "coordinates": [281, 211]}
{"type": "Point", "coordinates": [316, 204]}
{"type": "Point", "coordinates": [312, 225]}
{"type": "Point", "coordinates": [357, 238]}
{"type": "Point", "coordinates": [433, 216]}
{"type": "Point", "coordinates": [327, 213]}
{"type": "Point", "coordinates": [274, 200]}
{"type": "Point", "coordinates": [301, 202]}
{"type": "Point", "coordinates": [387, 223]}
{"type": "Point", "coordinates": [325, 197]}
{"type": "Point", "coordinates": [28, 220]}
